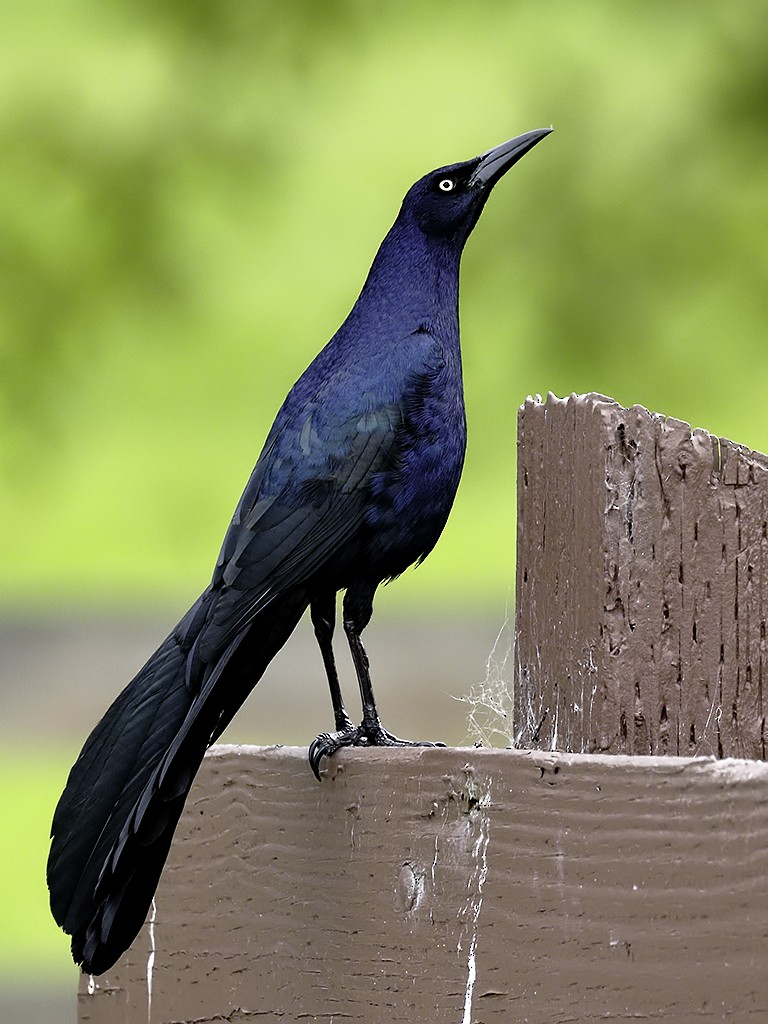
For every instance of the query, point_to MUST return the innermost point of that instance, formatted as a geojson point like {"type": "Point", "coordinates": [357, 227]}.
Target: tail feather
{"type": "Point", "coordinates": [115, 821]}
{"type": "Point", "coordinates": [108, 778]}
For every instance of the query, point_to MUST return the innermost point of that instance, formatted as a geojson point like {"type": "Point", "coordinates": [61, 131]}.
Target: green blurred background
{"type": "Point", "coordinates": [191, 194]}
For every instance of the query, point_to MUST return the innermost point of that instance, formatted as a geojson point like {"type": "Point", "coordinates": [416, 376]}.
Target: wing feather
{"type": "Point", "coordinates": [297, 519]}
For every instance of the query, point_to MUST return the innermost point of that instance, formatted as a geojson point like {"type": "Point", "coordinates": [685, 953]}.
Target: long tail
{"type": "Point", "coordinates": [114, 823]}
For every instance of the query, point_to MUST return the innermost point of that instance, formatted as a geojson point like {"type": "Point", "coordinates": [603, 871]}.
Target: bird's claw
{"type": "Point", "coordinates": [327, 743]}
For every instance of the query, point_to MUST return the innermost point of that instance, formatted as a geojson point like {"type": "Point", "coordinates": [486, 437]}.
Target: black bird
{"type": "Point", "coordinates": [354, 484]}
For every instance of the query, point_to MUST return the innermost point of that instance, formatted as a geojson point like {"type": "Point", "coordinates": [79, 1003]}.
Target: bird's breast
{"type": "Point", "coordinates": [411, 500]}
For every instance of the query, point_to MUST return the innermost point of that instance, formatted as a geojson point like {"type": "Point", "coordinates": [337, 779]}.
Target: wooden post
{"type": "Point", "coordinates": [456, 886]}
{"type": "Point", "coordinates": [642, 583]}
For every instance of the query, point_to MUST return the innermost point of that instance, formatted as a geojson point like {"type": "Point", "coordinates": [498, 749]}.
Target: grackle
{"type": "Point", "coordinates": [354, 484]}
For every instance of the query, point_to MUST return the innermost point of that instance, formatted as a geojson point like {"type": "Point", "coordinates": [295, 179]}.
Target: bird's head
{"type": "Point", "coordinates": [446, 203]}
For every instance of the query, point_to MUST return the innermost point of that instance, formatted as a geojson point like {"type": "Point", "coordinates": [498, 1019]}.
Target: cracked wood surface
{"type": "Point", "coordinates": [456, 885]}
{"type": "Point", "coordinates": [642, 573]}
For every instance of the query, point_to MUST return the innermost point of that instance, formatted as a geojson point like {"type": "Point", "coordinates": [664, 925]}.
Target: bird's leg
{"type": "Point", "coordinates": [358, 608]}
{"type": "Point", "coordinates": [357, 615]}
{"type": "Point", "coordinates": [323, 614]}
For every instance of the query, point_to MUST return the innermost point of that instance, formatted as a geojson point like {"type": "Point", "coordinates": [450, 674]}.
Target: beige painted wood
{"type": "Point", "coordinates": [642, 574]}
{"type": "Point", "coordinates": [457, 885]}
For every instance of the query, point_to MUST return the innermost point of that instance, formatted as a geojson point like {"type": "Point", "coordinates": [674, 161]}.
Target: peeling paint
{"type": "Point", "coordinates": [151, 958]}
{"type": "Point", "coordinates": [480, 872]}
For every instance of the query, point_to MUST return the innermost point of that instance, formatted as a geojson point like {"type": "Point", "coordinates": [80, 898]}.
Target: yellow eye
{"type": "Point", "coordinates": [446, 185]}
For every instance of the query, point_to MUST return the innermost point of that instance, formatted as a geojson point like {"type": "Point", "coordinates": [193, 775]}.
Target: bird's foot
{"type": "Point", "coordinates": [327, 743]}
{"type": "Point", "coordinates": [367, 734]}
{"type": "Point", "coordinates": [377, 736]}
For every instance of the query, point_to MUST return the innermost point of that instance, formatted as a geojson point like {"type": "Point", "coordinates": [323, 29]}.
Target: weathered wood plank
{"type": "Point", "coordinates": [457, 886]}
{"type": "Point", "coordinates": [642, 573]}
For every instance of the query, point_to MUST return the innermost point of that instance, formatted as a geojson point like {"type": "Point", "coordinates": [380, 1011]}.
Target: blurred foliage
{"type": "Point", "coordinates": [33, 952]}
{"type": "Point", "coordinates": [191, 194]}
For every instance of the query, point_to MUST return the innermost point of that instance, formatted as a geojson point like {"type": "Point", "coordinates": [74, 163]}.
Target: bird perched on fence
{"type": "Point", "coordinates": [353, 485]}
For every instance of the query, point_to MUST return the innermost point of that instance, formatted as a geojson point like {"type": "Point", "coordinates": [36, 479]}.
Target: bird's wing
{"type": "Point", "coordinates": [305, 501]}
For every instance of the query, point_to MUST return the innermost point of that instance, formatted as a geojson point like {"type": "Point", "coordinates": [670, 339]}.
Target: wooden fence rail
{"type": "Point", "coordinates": [457, 886]}
{"type": "Point", "coordinates": [540, 885]}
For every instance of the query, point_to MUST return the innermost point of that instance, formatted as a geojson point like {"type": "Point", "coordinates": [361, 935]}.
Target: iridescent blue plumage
{"type": "Point", "coordinates": [354, 484]}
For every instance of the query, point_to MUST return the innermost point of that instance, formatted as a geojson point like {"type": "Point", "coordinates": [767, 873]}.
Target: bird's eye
{"type": "Point", "coordinates": [446, 185]}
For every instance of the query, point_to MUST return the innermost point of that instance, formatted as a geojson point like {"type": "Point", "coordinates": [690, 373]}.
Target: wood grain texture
{"type": "Point", "coordinates": [457, 886]}
{"type": "Point", "coordinates": [641, 582]}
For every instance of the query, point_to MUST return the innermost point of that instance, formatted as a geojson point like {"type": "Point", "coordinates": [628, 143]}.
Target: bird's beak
{"type": "Point", "coordinates": [497, 161]}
